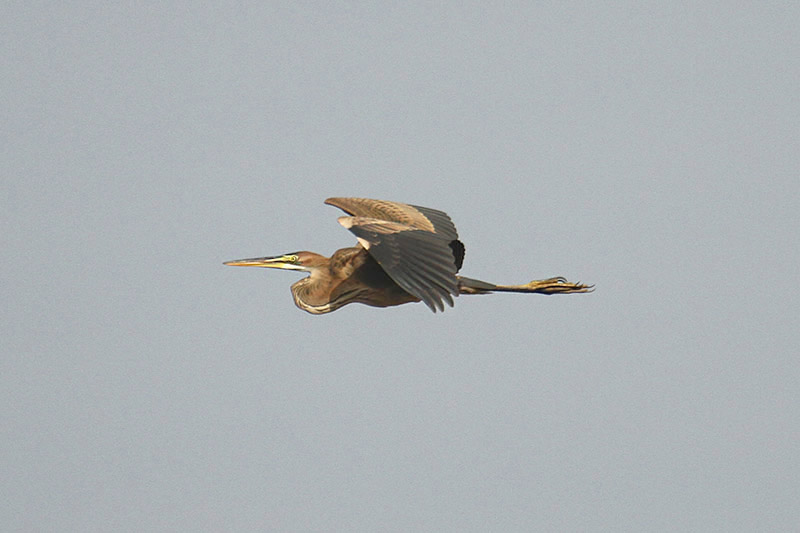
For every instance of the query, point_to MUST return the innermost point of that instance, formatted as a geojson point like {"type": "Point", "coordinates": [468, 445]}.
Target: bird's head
{"type": "Point", "coordinates": [303, 261]}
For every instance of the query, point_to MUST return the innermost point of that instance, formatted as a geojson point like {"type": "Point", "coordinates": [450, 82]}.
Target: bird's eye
{"type": "Point", "coordinates": [294, 258]}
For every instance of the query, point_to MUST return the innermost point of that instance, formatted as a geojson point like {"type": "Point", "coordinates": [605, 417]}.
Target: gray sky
{"type": "Point", "coordinates": [649, 148]}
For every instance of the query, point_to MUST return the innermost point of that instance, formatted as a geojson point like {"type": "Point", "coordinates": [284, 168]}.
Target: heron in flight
{"type": "Point", "coordinates": [405, 253]}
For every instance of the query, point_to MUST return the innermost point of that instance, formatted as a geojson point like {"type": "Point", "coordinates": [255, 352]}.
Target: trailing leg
{"type": "Point", "coordinates": [557, 285]}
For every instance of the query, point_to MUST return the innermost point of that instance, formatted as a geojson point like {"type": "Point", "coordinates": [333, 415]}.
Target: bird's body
{"type": "Point", "coordinates": [405, 254]}
{"type": "Point", "coordinates": [352, 276]}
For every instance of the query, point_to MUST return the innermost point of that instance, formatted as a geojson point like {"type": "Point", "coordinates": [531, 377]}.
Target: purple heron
{"type": "Point", "coordinates": [405, 253]}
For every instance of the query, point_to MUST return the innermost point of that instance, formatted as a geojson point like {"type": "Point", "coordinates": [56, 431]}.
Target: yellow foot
{"type": "Point", "coordinates": [557, 285]}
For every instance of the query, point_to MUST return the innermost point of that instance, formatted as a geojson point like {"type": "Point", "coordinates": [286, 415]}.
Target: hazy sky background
{"type": "Point", "coordinates": [650, 148]}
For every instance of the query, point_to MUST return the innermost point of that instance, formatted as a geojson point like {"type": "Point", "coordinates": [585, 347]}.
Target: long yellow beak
{"type": "Point", "coordinates": [266, 262]}
{"type": "Point", "coordinates": [287, 262]}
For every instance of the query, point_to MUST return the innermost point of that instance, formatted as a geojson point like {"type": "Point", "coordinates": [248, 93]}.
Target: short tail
{"type": "Point", "coordinates": [557, 285]}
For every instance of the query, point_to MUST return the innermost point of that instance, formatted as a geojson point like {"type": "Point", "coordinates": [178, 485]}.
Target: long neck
{"type": "Point", "coordinates": [338, 282]}
{"type": "Point", "coordinates": [313, 294]}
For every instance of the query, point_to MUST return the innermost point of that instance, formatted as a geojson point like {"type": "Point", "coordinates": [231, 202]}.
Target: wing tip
{"type": "Point", "coordinates": [332, 200]}
{"type": "Point", "coordinates": [346, 222]}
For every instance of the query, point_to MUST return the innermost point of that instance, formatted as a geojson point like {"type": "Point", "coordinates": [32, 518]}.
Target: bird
{"type": "Point", "coordinates": [404, 253]}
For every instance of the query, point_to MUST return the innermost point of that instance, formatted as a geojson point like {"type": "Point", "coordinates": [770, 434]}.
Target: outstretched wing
{"type": "Point", "coordinates": [423, 218]}
{"type": "Point", "coordinates": [412, 244]}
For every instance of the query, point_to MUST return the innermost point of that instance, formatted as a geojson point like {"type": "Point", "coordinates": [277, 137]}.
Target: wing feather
{"type": "Point", "coordinates": [441, 221]}
{"type": "Point", "coordinates": [420, 261]}
{"type": "Point", "coordinates": [423, 218]}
